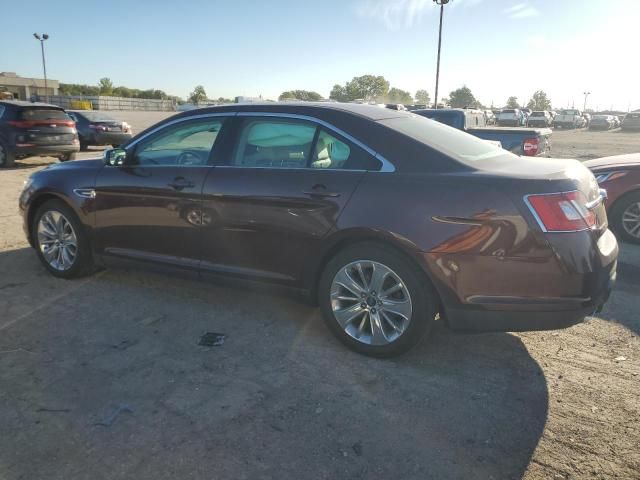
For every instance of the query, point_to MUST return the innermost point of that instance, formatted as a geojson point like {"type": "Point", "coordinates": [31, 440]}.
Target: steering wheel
{"type": "Point", "coordinates": [189, 158]}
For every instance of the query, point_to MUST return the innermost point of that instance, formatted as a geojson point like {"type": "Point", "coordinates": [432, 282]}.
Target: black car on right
{"type": "Point", "coordinates": [98, 128]}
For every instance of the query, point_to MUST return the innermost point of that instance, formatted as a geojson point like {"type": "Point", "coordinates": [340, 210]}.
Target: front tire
{"type": "Point", "coordinates": [376, 301]}
{"type": "Point", "coordinates": [60, 240]}
{"type": "Point", "coordinates": [625, 217]}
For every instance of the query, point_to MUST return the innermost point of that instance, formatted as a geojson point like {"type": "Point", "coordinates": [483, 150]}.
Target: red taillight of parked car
{"type": "Point", "coordinates": [36, 123]}
{"type": "Point", "coordinates": [531, 146]}
{"type": "Point", "coordinates": [562, 212]}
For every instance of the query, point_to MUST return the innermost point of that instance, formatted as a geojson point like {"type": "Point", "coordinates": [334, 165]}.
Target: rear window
{"type": "Point", "coordinates": [569, 112]}
{"type": "Point", "coordinates": [538, 114]}
{"type": "Point", "coordinates": [508, 111]}
{"type": "Point", "coordinates": [96, 116]}
{"type": "Point", "coordinates": [42, 114]}
{"type": "Point", "coordinates": [454, 143]}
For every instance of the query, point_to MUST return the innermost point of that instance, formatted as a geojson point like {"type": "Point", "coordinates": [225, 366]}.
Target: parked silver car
{"type": "Point", "coordinates": [540, 118]}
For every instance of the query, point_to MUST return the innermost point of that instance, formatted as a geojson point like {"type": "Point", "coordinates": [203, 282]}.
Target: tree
{"type": "Point", "coordinates": [539, 101]}
{"type": "Point", "coordinates": [462, 97]}
{"type": "Point", "coordinates": [368, 88]}
{"type": "Point", "coordinates": [396, 95]}
{"type": "Point", "coordinates": [512, 102]}
{"type": "Point", "coordinates": [106, 86]}
{"type": "Point", "coordinates": [198, 95]}
{"type": "Point", "coordinates": [304, 95]}
{"type": "Point", "coordinates": [422, 97]}
{"type": "Point", "coordinates": [338, 94]}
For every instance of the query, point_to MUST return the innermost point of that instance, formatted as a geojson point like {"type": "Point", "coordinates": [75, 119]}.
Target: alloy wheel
{"type": "Point", "coordinates": [631, 220]}
{"type": "Point", "coordinates": [370, 302]}
{"type": "Point", "coordinates": [57, 240]}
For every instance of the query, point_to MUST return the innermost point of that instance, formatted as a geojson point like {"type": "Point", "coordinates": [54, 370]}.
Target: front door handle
{"type": "Point", "coordinates": [180, 183]}
{"type": "Point", "coordinates": [319, 190]}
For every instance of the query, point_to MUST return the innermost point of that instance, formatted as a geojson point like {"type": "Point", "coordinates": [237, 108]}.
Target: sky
{"type": "Point", "coordinates": [498, 48]}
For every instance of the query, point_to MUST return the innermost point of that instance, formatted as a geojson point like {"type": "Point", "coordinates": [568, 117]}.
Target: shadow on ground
{"type": "Point", "coordinates": [104, 378]}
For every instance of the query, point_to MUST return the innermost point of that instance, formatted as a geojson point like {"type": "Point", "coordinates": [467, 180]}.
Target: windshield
{"type": "Point", "coordinates": [538, 114]}
{"type": "Point", "coordinates": [43, 114]}
{"type": "Point", "coordinates": [454, 143]}
{"type": "Point", "coordinates": [569, 112]}
{"type": "Point", "coordinates": [96, 116]}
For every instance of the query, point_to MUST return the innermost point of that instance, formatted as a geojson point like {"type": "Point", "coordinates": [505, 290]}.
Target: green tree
{"type": "Point", "coordinates": [512, 102]}
{"type": "Point", "coordinates": [539, 101]}
{"type": "Point", "coordinates": [106, 86]}
{"type": "Point", "coordinates": [396, 95]}
{"type": "Point", "coordinates": [198, 95]}
{"type": "Point", "coordinates": [462, 97]}
{"type": "Point", "coordinates": [339, 94]}
{"type": "Point", "coordinates": [304, 95]}
{"type": "Point", "coordinates": [422, 97]}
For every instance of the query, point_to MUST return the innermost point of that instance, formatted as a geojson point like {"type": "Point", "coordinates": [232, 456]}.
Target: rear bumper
{"type": "Point", "coordinates": [45, 150]}
{"type": "Point", "coordinates": [109, 138]}
{"type": "Point", "coordinates": [579, 289]}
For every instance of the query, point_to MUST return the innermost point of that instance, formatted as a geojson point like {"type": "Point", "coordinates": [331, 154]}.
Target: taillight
{"type": "Point", "coordinates": [35, 123]}
{"type": "Point", "coordinates": [531, 146]}
{"type": "Point", "coordinates": [562, 212]}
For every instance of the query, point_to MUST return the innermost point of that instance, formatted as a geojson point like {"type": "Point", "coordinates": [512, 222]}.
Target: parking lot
{"type": "Point", "coordinates": [104, 378]}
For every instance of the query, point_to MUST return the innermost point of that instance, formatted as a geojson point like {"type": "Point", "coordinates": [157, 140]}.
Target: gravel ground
{"type": "Point", "coordinates": [103, 378]}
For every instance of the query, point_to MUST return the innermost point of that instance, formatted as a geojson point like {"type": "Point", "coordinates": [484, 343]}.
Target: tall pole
{"type": "Point", "coordinates": [42, 39]}
{"type": "Point", "coordinates": [586, 94]}
{"type": "Point", "coordinates": [442, 4]}
{"type": "Point", "coordinates": [44, 68]}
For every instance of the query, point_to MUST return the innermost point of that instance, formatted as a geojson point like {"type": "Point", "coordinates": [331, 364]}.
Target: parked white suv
{"type": "Point", "coordinates": [570, 118]}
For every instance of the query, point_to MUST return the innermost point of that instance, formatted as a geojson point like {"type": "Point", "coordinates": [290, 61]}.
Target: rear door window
{"type": "Point", "coordinates": [331, 152]}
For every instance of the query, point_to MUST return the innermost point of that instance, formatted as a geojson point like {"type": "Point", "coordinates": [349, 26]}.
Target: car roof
{"type": "Point", "coordinates": [22, 103]}
{"type": "Point", "coordinates": [371, 112]}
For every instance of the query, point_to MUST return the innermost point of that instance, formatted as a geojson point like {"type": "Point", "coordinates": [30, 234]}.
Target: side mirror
{"type": "Point", "coordinates": [115, 157]}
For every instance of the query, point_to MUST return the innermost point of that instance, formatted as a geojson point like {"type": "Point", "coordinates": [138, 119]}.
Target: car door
{"type": "Point", "coordinates": [276, 193]}
{"type": "Point", "coordinates": [149, 208]}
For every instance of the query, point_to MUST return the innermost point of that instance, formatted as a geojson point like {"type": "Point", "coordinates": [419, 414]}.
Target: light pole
{"type": "Point", "coordinates": [584, 107]}
{"type": "Point", "coordinates": [442, 3]}
{"type": "Point", "coordinates": [44, 64]}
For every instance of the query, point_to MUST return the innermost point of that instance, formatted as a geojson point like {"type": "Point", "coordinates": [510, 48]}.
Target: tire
{"type": "Point", "coordinates": [630, 204]}
{"type": "Point", "coordinates": [68, 156]}
{"type": "Point", "coordinates": [423, 301]}
{"type": "Point", "coordinates": [7, 157]}
{"type": "Point", "coordinates": [82, 263]}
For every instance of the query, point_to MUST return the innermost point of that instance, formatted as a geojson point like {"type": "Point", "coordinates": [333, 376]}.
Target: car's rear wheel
{"type": "Point", "coordinates": [68, 156]}
{"type": "Point", "coordinates": [625, 217]}
{"type": "Point", "coordinates": [7, 158]}
{"type": "Point", "coordinates": [60, 240]}
{"type": "Point", "coordinates": [376, 301]}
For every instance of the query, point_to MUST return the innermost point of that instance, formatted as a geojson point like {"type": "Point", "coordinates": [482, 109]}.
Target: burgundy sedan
{"type": "Point", "coordinates": [620, 176]}
{"type": "Point", "coordinates": [385, 218]}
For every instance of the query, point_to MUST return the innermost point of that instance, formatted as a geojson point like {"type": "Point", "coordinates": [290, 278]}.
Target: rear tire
{"type": "Point", "coordinates": [68, 156]}
{"type": "Point", "coordinates": [7, 157]}
{"type": "Point", "coordinates": [43, 230]}
{"type": "Point", "coordinates": [399, 319]}
{"type": "Point", "coordinates": [625, 217]}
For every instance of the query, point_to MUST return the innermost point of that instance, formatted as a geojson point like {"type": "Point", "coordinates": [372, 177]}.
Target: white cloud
{"type": "Point", "coordinates": [394, 15]}
{"type": "Point", "coordinates": [521, 10]}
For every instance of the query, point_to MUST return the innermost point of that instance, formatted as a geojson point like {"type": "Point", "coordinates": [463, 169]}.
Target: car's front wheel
{"type": "Point", "coordinates": [376, 301]}
{"type": "Point", "coordinates": [68, 156]}
{"type": "Point", "coordinates": [625, 217]}
{"type": "Point", "coordinates": [60, 240]}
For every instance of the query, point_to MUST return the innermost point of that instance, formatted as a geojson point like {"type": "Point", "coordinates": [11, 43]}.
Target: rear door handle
{"type": "Point", "coordinates": [320, 190]}
{"type": "Point", "coordinates": [180, 183]}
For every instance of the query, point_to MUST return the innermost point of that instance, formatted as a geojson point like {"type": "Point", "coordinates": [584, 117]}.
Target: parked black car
{"type": "Point", "coordinates": [35, 129]}
{"type": "Point", "coordinates": [98, 128]}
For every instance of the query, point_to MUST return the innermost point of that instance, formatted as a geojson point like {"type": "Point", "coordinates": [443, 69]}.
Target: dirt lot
{"type": "Point", "coordinates": [102, 378]}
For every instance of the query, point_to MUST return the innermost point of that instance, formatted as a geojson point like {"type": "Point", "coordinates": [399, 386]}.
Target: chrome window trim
{"type": "Point", "coordinates": [387, 166]}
